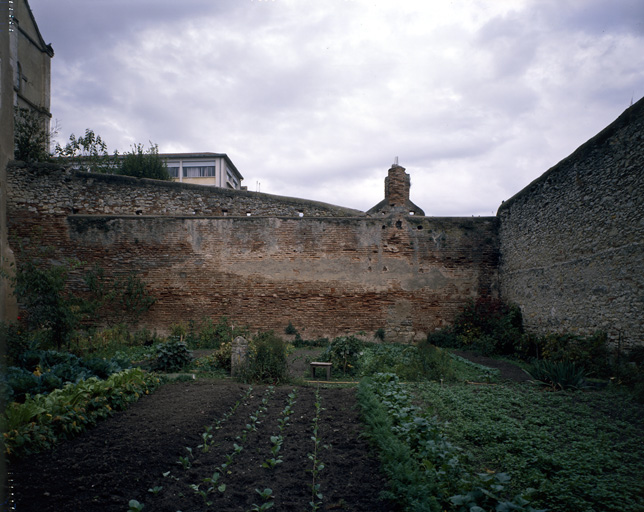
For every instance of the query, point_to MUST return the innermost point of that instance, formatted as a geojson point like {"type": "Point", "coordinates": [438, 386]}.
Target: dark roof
{"type": "Point", "coordinates": [47, 48]}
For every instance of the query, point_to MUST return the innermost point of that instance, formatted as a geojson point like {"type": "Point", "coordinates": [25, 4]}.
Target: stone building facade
{"type": "Point", "coordinates": [30, 61]}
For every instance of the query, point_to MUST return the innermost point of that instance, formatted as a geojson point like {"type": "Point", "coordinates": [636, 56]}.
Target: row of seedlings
{"type": "Point", "coordinates": [214, 482]}
{"type": "Point", "coordinates": [207, 438]}
{"type": "Point", "coordinates": [275, 457]}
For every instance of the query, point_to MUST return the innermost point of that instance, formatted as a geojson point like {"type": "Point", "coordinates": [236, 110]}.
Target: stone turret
{"type": "Point", "coordinates": [396, 199]}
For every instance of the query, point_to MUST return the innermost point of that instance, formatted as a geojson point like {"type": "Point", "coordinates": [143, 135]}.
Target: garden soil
{"type": "Point", "coordinates": [127, 454]}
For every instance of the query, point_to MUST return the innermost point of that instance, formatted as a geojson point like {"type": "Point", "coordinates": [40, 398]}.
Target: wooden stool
{"type": "Point", "coordinates": [315, 365]}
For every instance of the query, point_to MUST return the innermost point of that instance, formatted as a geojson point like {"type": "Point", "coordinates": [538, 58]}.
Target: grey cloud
{"type": "Point", "coordinates": [593, 17]}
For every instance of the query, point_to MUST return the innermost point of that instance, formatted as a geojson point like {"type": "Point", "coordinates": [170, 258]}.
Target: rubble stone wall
{"type": "Point", "coordinates": [572, 242]}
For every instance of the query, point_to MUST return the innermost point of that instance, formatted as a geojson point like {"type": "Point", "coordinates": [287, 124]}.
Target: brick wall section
{"type": "Point", "coordinates": [327, 275]}
{"type": "Point", "coordinates": [571, 243]}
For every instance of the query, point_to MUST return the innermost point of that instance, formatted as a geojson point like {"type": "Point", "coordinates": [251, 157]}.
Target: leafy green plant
{"type": "Point", "coordinates": [578, 451]}
{"type": "Point", "coordinates": [172, 356]}
{"type": "Point", "coordinates": [64, 413]}
{"type": "Point", "coordinates": [558, 375]}
{"type": "Point", "coordinates": [207, 439]}
{"type": "Point", "coordinates": [276, 446]}
{"type": "Point", "coordinates": [266, 495]}
{"type": "Point", "coordinates": [135, 506]}
{"type": "Point", "coordinates": [213, 481]}
{"type": "Point", "coordinates": [316, 464]}
{"type": "Point", "coordinates": [403, 431]}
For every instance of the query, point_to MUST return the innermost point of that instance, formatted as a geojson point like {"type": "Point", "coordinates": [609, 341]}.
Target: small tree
{"type": "Point", "coordinates": [142, 163]}
{"type": "Point", "coordinates": [31, 137]}
{"type": "Point", "coordinates": [88, 153]}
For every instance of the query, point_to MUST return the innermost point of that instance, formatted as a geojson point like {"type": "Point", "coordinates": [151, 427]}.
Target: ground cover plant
{"type": "Point", "coordinates": [426, 470]}
{"type": "Point", "coordinates": [579, 451]}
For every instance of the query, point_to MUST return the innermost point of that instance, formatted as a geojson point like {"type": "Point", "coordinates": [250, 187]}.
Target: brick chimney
{"type": "Point", "coordinates": [397, 186]}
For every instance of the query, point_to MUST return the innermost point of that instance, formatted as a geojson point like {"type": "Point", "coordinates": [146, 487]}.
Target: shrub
{"type": "Point", "coordinates": [443, 338]}
{"type": "Point", "coordinates": [171, 356]}
{"type": "Point", "coordinates": [115, 299]}
{"type": "Point", "coordinates": [208, 336]}
{"type": "Point", "coordinates": [144, 163]}
{"type": "Point", "coordinates": [16, 339]}
{"type": "Point", "coordinates": [588, 352]}
{"type": "Point", "coordinates": [379, 334]}
{"type": "Point", "coordinates": [636, 355]}
{"type": "Point", "coordinates": [436, 363]}
{"type": "Point", "coordinates": [408, 362]}
{"type": "Point", "coordinates": [298, 341]}
{"type": "Point", "coordinates": [388, 358]}
{"type": "Point", "coordinates": [266, 360]}
{"type": "Point", "coordinates": [31, 137]}
{"type": "Point", "coordinates": [223, 355]}
{"type": "Point", "coordinates": [344, 353]}
{"type": "Point", "coordinates": [88, 153]}
{"type": "Point", "coordinates": [40, 289]}
{"type": "Point", "coordinates": [490, 326]}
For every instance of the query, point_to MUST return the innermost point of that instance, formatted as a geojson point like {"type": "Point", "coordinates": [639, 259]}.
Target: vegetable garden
{"type": "Point", "coordinates": [212, 445]}
{"type": "Point", "coordinates": [399, 428]}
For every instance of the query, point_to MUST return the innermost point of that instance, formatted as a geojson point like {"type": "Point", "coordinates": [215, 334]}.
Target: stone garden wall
{"type": "Point", "coordinates": [330, 271]}
{"type": "Point", "coordinates": [572, 242]}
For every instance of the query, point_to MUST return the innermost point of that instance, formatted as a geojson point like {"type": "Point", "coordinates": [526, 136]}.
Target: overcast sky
{"type": "Point", "coordinates": [315, 98]}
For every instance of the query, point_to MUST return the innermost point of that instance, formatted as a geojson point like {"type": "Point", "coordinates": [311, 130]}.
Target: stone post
{"type": "Point", "coordinates": [239, 355]}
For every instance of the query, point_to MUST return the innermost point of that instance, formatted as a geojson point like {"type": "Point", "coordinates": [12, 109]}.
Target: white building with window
{"type": "Point", "coordinates": [213, 169]}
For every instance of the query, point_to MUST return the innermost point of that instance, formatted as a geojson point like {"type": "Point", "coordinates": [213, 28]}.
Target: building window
{"type": "Point", "coordinates": [231, 178]}
{"type": "Point", "coordinates": [173, 172]}
{"type": "Point", "coordinates": [198, 171]}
